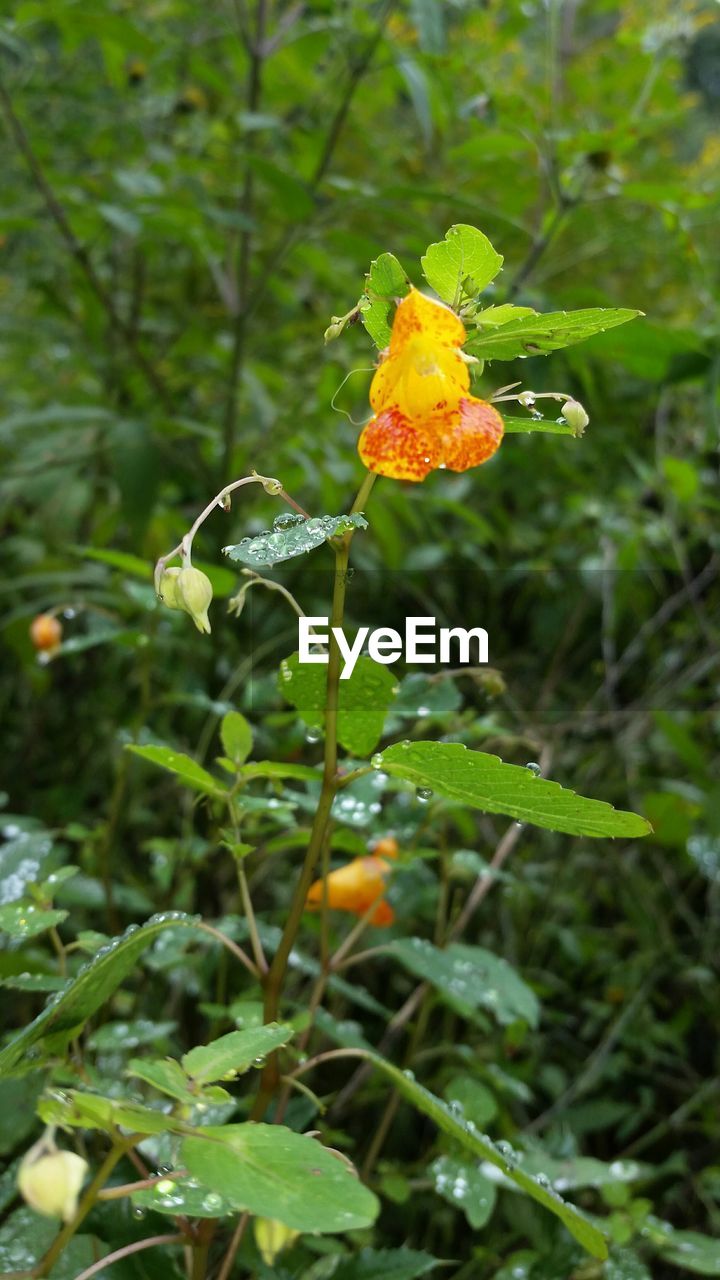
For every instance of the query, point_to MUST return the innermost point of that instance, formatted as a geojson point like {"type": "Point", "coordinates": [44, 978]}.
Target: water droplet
{"type": "Point", "coordinates": [313, 734]}
{"type": "Point", "coordinates": [534, 768]}
{"type": "Point", "coordinates": [212, 1202]}
{"type": "Point", "coordinates": [138, 1212]}
{"type": "Point", "coordinates": [405, 744]}
{"type": "Point", "coordinates": [377, 760]}
{"type": "Point", "coordinates": [287, 520]}
{"type": "Point", "coordinates": [69, 613]}
{"type": "Point", "coordinates": [423, 794]}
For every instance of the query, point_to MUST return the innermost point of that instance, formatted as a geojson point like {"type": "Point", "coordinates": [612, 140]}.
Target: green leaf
{"type": "Point", "coordinates": [485, 782]}
{"type": "Point", "coordinates": [24, 920]}
{"type": "Point", "coordinates": [363, 699]}
{"type": "Point", "coordinates": [295, 538]}
{"type": "Point", "coordinates": [462, 265]}
{"type": "Point", "coordinates": [385, 1264]}
{"type": "Point", "coordinates": [68, 1011]}
{"type": "Point", "coordinates": [164, 1074]}
{"type": "Point", "coordinates": [186, 1196]}
{"type": "Point", "coordinates": [25, 859]}
{"type": "Point", "coordinates": [493, 317]}
{"type": "Point", "coordinates": [191, 774]}
{"type": "Point", "coordinates": [429, 22]}
{"type": "Point", "coordinates": [525, 426]}
{"type": "Point", "coordinates": [235, 1052]}
{"type": "Point", "coordinates": [583, 1171]}
{"type": "Point", "coordinates": [386, 282]}
{"type": "Point", "coordinates": [26, 1236]}
{"type": "Point", "coordinates": [623, 1264]}
{"type": "Point", "coordinates": [91, 1111]}
{"type": "Point", "coordinates": [469, 978]}
{"type": "Point", "coordinates": [483, 1148]}
{"type": "Point", "coordinates": [236, 737]}
{"type": "Point", "coordinates": [268, 1170]}
{"type": "Point", "coordinates": [537, 335]}
{"type": "Point", "coordinates": [476, 1101]}
{"type": "Point", "coordinates": [279, 769]}
{"type": "Point", "coordinates": [464, 1187]}
{"type": "Point", "coordinates": [689, 1250]}
{"type": "Point", "coordinates": [418, 90]}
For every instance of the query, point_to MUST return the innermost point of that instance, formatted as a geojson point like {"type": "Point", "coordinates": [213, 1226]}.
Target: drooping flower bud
{"type": "Point", "coordinates": [167, 589]}
{"type": "Point", "coordinates": [193, 592]}
{"type": "Point", "coordinates": [272, 1237]}
{"type": "Point", "coordinates": [49, 1180]}
{"type": "Point", "coordinates": [576, 416]}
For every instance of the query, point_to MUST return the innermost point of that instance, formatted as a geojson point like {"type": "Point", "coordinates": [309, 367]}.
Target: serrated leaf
{"type": "Point", "coordinates": [176, 762]}
{"type": "Point", "coordinates": [236, 736]}
{"type": "Point", "coordinates": [69, 1010]}
{"type": "Point", "coordinates": [483, 1148]}
{"type": "Point", "coordinates": [537, 335]}
{"type": "Point", "coordinates": [493, 317]}
{"type": "Point", "coordinates": [363, 699]}
{"type": "Point", "coordinates": [469, 978]}
{"type": "Point", "coordinates": [164, 1074]}
{"type": "Point", "coordinates": [91, 1111]}
{"type": "Point", "coordinates": [485, 782]}
{"type": "Point", "coordinates": [24, 920]}
{"type": "Point", "coordinates": [235, 1052]}
{"type": "Point", "coordinates": [270, 1171]}
{"type": "Point", "coordinates": [386, 282]}
{"type": "Point", "coordinates": [268, 549]}
{"type": "Point", "coordinates": [464, 1187]}
{"type": "Point", "coordinates": [462, 265]}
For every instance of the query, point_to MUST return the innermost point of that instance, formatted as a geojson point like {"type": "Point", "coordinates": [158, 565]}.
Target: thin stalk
{"type": "Point", "coordinates": [136, 1247]}
{"type": "Point", "coordinates": [278, 969]}
{"type": "Point", "coordinates": [257, 946]}
{"type": "Point", "coordinates": [230, 1256]}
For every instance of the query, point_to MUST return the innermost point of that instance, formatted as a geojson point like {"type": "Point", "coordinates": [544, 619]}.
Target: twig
{"type": "Point", "coordinates": [136, 1247]}
{"type": "Point", "coordinates": [229, 1258]}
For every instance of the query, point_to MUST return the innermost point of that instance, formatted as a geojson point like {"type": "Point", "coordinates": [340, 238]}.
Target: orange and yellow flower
{"type": "Point", "coordinates": [425, 417]}
{"type": "Point", "coordinates": [354, 888]}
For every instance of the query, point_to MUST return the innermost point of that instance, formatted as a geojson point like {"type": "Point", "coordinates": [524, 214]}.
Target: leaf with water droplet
{"type": "Point", "coordinates": [363, 700]}
{"type": "Point", "coordinates": [291, 536]}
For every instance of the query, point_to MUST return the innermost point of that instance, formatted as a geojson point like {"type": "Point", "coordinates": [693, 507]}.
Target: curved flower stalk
{"type": "Point", "coordinates": [425, 418]}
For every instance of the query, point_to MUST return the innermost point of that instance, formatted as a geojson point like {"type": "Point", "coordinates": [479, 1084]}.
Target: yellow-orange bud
{"type": "Point", "coordinates": [46, 632]}
{"type": "Point", "coordinates": [272, 1237]}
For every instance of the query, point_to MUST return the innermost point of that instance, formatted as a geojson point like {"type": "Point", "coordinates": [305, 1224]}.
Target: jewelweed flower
{"type": "Point", "coordinates": [424, 415]}
{"type": "Point", "coordinates": [354, 888]}
{"type": "Point", "coordinates": [50, 1180]}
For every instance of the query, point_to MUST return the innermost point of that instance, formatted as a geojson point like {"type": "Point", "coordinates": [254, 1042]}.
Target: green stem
{"type": "Point", "coordinates": [278, 969]}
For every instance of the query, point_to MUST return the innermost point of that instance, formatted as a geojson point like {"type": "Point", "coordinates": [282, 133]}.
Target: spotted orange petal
{"type": "Point", "coordinates": [418, 314]}
{"type": "Point", "coordinates": [393, 446]}
{"type": "Point", "coordinates": [470, 436]}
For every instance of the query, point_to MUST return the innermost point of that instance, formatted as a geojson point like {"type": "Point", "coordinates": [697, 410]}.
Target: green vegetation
{"type": "Point", "coordinates": [414, 972]}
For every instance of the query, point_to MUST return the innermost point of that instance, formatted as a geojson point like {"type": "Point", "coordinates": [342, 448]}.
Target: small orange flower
{"type": "Point", "coordinates": [46, 632]}
{"type": "Point", "coordinates": [425, 417]}
{"type": "Point", "coordinates": [354, 888]}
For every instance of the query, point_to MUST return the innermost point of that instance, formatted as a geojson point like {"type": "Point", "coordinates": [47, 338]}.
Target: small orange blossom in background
{"type": "Point", "coordinates": [46, 633]}
{"type": "Point", "coordinates": [355, 887]}
{"type": "Point", "coordinates": [425, 418]}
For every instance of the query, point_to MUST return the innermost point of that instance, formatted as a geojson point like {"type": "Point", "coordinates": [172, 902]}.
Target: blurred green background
{"type": "Point", "coordinates": [189, 194]}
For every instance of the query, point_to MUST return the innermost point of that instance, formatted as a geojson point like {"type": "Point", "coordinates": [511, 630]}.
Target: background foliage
{"type": "Point", "coordinates": [190, 194]}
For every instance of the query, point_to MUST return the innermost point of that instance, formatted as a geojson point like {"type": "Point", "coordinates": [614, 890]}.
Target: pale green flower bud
{"type": "Point", "coordinates": [575, 416]}
{"type": "Point", "coordinates": [50, 1180]}
{"type": "Point", "coordinates": [193, 591]}
{"type": "Point", "coordinates": [272, 1237]}
{"type": "Point", "coordinates": [167, 589]}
